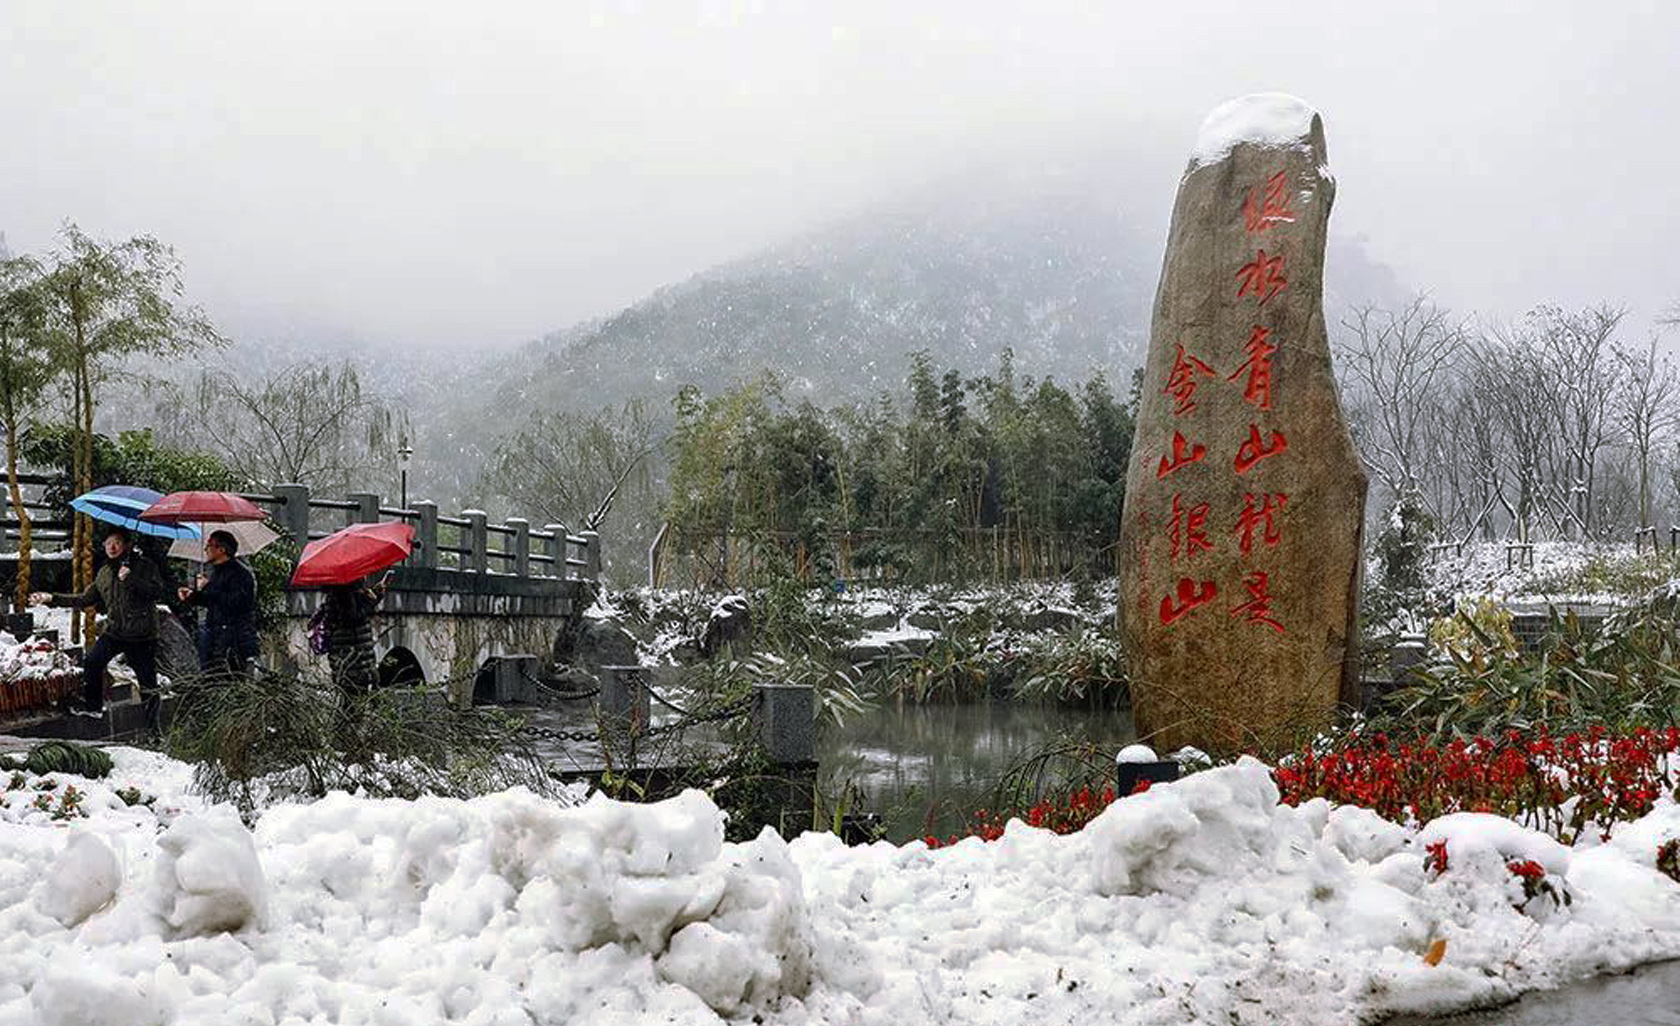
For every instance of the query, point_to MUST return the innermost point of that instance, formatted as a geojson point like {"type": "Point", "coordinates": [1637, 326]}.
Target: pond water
{"type": "Point", "coordinates": [922, 769]}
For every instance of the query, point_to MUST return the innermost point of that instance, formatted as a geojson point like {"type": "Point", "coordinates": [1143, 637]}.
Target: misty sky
{"type": "Point", "coordinates": [459, 173]}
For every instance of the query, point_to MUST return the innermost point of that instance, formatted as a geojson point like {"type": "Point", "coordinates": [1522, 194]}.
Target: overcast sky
{"type": "Point", "coordinates": [480, 173]}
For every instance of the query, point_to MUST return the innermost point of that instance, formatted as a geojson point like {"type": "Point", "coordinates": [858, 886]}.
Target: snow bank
{"type": "Point", "coordinates": [1269, 119]}
{"type": "Point", "coordinates": [1197, 901]}
{"type": "Point", "coordinates": [208, 877]}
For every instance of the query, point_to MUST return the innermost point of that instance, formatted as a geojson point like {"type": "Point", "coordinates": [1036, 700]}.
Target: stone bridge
{"type": "Point", "coordinates": [472, 592]}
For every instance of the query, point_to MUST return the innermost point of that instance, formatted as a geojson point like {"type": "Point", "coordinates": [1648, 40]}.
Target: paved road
{"type": "Point", "coordinates": [1646, 997]}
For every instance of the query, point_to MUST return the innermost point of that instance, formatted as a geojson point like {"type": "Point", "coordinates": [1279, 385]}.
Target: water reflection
{"type": "Point", "coordinates": [924, 768]}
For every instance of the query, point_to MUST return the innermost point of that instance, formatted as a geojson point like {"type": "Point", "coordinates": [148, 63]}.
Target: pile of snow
{"type": "Point", "coordinates": [1269, 119]}
{"type": "Point", "coordinates": [1198, 901]}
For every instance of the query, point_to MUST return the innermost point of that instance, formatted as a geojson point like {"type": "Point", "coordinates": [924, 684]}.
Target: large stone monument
{"type": "Point", "coordinates": [1245, 498]}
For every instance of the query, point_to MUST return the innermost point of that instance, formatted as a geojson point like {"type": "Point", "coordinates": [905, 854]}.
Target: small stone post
{"type": "Point", "coordinates": [624, 709]}
{"type": "Point", "coordinates": [293, 513]}
{"type": "Point", "coordinates": [426, 534]}
{"type": "Point", "coordinates": [512, 678]}
{"type": "Point", "coordinates": [367, 508]}
{"type": "Point", "coordinates": [478, 541]}
{"type": "Point", "coordinates": [521, 545]}
{"type": "Point", "coordinates": [591, 555]}
{"type": "Point", "coordinates": [783, 717]}
{"type": "Point", "coordinates": [556, 543]}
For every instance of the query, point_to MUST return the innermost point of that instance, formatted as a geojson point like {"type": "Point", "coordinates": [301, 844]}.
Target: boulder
{"type": "Point", "coordinates": [729, 624]}
{"type": "Point", "coordinates": [177, 654]}
{"type": "Point", "coordinates": [600, 643]}
{"type": "Point", "coordinates": [1245, 497]}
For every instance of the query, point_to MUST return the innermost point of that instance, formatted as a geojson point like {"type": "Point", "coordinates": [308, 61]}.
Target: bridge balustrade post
{"type": "Point", "coordinates": [783, 719]}
{"type": "Point", "coordinates": [293, 514]}
{"type": "Point", "coordinates": [478, 540]}
{"type": "Point", "coordinates": [367, 508]}
{"type": "Point", "coordinates": [555, 546]}
{"type": "Point", "coordinates": [521, 545]}
{"type": "Point", "coordinates": [426, 532]}
{"type": "Point", "coordinates": [591, 555]}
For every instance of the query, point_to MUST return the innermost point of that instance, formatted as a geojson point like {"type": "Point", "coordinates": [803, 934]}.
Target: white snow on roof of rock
{"type": "Point", "coordinates": [1274, 119]}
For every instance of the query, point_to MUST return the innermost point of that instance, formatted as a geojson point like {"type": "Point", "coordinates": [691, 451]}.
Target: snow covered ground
{"type": "Point", "coordinates": [1200, 901]}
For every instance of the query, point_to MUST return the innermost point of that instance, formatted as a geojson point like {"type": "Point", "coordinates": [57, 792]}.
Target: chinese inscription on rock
{"type": "Point", "coordinates": [1244, 501]}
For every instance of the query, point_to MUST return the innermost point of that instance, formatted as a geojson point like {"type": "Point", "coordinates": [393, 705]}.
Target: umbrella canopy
{"type": "Point", "coordinates": [356, 551]}
{"type": "Point", "coordinates": [201, 508]}
{"type": "Point", "coordinates": [122, 505]}
{"type": "Point", "coordinates": [253, 537]}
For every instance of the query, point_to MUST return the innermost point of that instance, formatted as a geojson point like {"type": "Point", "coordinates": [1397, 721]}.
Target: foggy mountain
{"type": "Point", "coordinates": [1066, 282]}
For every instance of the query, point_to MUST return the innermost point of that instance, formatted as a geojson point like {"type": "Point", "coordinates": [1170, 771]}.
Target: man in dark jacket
{"type": "Point", "coordinates": [126, 589]}
{"type": "Point", "coordinates": [228, 641]}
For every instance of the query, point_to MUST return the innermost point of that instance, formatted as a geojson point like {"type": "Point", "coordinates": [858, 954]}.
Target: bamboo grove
{"type": "Point", "coordinates": [996, 476]}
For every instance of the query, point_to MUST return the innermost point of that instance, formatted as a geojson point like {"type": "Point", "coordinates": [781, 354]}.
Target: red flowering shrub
{"type": "Point", "coordinates": [1525, 777]}
{"type": "Point", "coordinates": [1064, 814]}
{"type": "Point", "coordinates": [1559, 785]}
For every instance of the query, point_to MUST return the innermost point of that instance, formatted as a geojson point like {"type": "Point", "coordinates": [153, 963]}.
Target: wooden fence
{"type": "Point", "coordinates": [46, 530]}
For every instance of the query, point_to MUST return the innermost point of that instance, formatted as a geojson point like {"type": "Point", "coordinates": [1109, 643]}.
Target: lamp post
{"type": "Point", "coordinates": [403, 453]}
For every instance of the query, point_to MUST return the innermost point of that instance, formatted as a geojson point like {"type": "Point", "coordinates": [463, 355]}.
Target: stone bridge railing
{"type": "Point", "coordinates": [466, 543]}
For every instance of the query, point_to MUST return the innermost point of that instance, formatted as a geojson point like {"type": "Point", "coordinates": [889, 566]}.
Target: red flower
{"type": "Point", "coordinates": [1436, 860]}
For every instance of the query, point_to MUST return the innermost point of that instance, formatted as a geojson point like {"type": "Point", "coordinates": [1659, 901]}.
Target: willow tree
{"type": "Point", "coordinates": [316, 425]}
{"type": "Point", "coordinates": [26, 367]}
{"type": "Point", "coordinates": [109, 302]}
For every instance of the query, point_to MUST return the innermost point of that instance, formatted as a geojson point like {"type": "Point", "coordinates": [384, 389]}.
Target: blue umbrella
{"type": "Point", "coordinates": [122, 505]}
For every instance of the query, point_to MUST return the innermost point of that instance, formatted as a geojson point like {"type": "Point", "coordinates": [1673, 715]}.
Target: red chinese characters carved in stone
{"type": "Point", "coordinates": [1258, 608]}
{"type": "Point", "coordinates": [1255, 449]}
{"type": "Point", "coordinates": [1260, 213]}
{"type": "Point", "coordinates": [1258, 367]}
{"type": "Point", "coordinates": [1190, 595]}
{"type": "Point", "coordinates": [1262, 277]}
{"type": "Point", "coordinates": [1183, 452]}
{"type": "Point", "coordinates": [1181, 382]}
{"type": "Point", "coordinates": [1188, 533]}
{"type": "Point", "coordinates": [1259, 517]}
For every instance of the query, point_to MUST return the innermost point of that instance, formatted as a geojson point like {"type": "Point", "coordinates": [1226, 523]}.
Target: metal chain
{"type": "Point", "coordinates": [560, 693]}
{"type": "Point", "coordinates": [726, 712]}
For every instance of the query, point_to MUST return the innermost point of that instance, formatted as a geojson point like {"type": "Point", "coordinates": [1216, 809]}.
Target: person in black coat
{"type": "Point", "coordinates": [126, 589]}
{"type": "Point", "coordinates": [348, 610]}
{"type": "Point", "coordinates": [228, 592]}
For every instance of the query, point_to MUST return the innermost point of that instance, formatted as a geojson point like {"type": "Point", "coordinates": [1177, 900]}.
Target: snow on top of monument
{"type": "Point", "coordinates": [1270, 119]}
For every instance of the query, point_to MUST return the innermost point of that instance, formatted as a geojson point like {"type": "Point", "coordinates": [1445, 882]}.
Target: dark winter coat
{"type": "Point", "coordinates": [229, 599]}
{"type": "Point", "coordinates": [349, 616]}
{"type": "Point", "coordinates": [130, 606]}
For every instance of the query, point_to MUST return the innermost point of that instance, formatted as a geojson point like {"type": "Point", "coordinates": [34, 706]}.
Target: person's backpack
{"type": "Point", "coordinates": [319, 642]}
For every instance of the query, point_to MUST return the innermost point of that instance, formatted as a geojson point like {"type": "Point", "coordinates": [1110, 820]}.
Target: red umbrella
{"type": "Point", "coordinates": [356, 551]}
{"type": "Point", "coordinates": [201, 508]}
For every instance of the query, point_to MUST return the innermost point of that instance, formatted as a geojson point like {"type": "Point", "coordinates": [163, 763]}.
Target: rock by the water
{"type": "Point", "coordinates": [1245, 498]}
{"type": "Point", "coordinates": [600, 643]}
{"type": "Point", "coordinates": [729, 624]}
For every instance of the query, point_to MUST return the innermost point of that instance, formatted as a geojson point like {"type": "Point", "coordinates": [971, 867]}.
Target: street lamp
{"type": "Point", "coordinates": [403, 453]}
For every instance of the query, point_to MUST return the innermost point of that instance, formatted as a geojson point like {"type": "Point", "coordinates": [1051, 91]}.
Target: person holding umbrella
{"type": "Point", "coordinates": [340, 563]}
{"type": "Point", "coordinates": [126, 589]}
{"type": "Point", "coordinates": [348, 613]}
{"type": "Point", "coordinates": [228, 593]}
